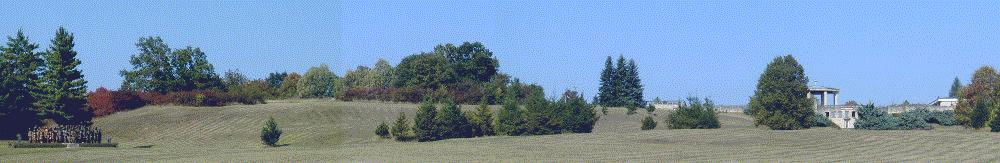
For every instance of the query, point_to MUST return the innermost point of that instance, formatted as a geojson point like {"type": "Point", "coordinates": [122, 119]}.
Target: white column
{"type": "Point", "coordinates": [823, 100]}
{"type": "Point", "coordinates": [835, 97]}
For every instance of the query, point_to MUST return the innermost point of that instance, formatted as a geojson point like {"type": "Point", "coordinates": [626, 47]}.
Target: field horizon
{"type": "Point", "coordinates": [318, 129]}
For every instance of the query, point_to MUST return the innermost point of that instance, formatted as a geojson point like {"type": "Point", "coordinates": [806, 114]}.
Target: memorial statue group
{"type": "Point", "coordinates": [65, 134]}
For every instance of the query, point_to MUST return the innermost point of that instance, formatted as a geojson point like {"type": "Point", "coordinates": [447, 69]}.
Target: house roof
{"type": "Point", "coordinates": [822, 88]}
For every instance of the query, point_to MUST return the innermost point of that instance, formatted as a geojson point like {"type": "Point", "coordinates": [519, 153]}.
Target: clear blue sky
{"type": "Point", "coordinates": [880, 52]}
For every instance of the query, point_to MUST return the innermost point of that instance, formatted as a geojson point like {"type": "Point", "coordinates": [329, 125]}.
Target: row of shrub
{"type": "Point", "coordinates": [694, 115]}
{"type": "Point", "coordinates": [58, 145]}
{"type": "Point", "coordinates": [871, 118]}
{"type": "Point", "coordinates": [570, 114]}
{"type": "Point", "coordinates": [462, 93]}
{"type": "Point", "coordinates": [103, 101]}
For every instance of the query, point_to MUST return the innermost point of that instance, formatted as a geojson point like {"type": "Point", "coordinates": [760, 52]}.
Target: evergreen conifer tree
{"type": "Point", "coordinates": [424, 123]}
{"type": "Point", "coordinates": [452, 123]}
{"type": "Point", "coordinates": [621, 73]}
{"type": "Point", "coordinates": [606, 91]}
{"type": "Point", "coordinates": [509, 120]}
{"type": "Point", "coordinates": [19, 65]}
{"type": "Point", "coordinates": [483, 121]}
{"type": "Point", "coordinates": [63, 88]}
{"type": "Point", "coordinates": [956, 88]}
{"type": "Point", "coordinates": [780, 101]}
{"type": "Point", "coordinates": [401, 129]}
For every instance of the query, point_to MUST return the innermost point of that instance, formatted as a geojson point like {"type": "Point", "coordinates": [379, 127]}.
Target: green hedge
{"type": "Point", "coordinates": [112, 145]}
{"type": "Point", "coordinates": [60, 145]}
{"type": "Point", "coordinates": [37, 145]}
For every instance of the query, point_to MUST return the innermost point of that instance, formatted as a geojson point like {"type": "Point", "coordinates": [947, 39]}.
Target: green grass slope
{"type": "Point", "coordinates": [323, 130]}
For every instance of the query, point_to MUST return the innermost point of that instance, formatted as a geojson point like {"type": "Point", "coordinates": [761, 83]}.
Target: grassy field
{"type": "Point", "coordinates": [343, 131]}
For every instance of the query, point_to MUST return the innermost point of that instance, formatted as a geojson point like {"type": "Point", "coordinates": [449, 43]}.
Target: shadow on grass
{"type": "Point", "coordinates": [144, 146]}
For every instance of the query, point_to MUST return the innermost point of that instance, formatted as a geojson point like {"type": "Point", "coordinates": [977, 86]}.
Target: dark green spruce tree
{"type": "Point", "coordinates": [956, 88]}
{"type": "Point", "coordinates": [19, 65]}
{"type": "Point", "coordinates": [634, 90]}
{"type": "Point", "coordinates": [607, 89]}
{"type": "Point", "coordinates": [620, 84]}
{"type": "Point", "coordinates": [63, 94]}
{"type": "Point", "coordinates": [780, 101]}
{"type": "Point", "coordinates": [424, 124]}
{"type": "Point", "coordinates": [621, 73]}
{"type": "Point", "coordinates": [452, 123]}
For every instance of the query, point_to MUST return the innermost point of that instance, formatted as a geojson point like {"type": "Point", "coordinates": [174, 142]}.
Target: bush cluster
{"type": "Point", "coordinates": [871, 118]}
{"type": "Point", "coordinates": [694, 115]}
{"type": "Point", "coordinates": [199, 98]}
{"type": "Point", "coordinates": [822, 121]}
{"type": "Point", "coordinates": [570, 114]}
{"type": "Point", "coordinates": [382, 130]}
{"type": "Point", "coordinates": [103, 101]}
{"type": "Point", "coordinates": [648, 123]}
{"type": "Point", "coordinates": [944, 118]}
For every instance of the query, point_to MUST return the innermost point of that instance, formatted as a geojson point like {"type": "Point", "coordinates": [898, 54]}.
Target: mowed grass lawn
{"type": "Point", "coordinates": [324, 130]}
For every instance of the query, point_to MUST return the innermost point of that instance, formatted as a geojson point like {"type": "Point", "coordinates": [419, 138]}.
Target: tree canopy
{"type": "Point", "coordinates": [978, 97]}
{"type": "Point", "coordinates": [318, 82]}
{"type": "Point", "coordinates": [780, 101]}
{"type": "Point", "coordinates": [157, 68]}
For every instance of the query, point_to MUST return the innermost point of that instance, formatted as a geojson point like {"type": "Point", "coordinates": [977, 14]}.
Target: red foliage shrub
{"type": "Point", "coordinates": [466, 92]}
{"type": "Point", "coordinates": [153, 98]}
{"type": "Point", "coordinates": [103, 101]}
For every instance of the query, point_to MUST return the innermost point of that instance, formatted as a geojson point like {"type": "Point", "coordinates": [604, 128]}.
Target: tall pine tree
{"type": "Point", "coordinates": [607, 88]}
{"type": "Point", "coordinates": [621, 73]}
{"type": "Point", "coordinates": [956, 88]}
{"type": "Point", "coordinates": [63, 90]}
{"type": "Point", "coordinates": [620, 84]}
{"type": "Point", "coordinates": [634, 89]}
{"type": "Point", "coordinates": [19, 65]}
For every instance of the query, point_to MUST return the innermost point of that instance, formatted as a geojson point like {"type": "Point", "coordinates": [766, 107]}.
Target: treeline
{"type": "Point", "coordinates": [39, 87]}
{"type": "Point", "coordinates": [538, 116]}
{"type": "Point", "coordinates": [466, 74]}
{"type": "Point", "coordinates": [160, 75]}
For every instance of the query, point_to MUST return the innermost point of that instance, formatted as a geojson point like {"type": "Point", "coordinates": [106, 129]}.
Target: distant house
{"type": "Point", "coordinates": [843, 116]}
{"type": "Point", "coordinates": [946, 102]}
{"type": "Point", "coordinates": [940, 104]}
{"type": "Point", "coordinates": [667, 105]}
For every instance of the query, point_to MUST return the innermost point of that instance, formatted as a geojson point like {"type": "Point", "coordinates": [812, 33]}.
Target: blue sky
{"type": "Point", "coordinates": [884, 52]}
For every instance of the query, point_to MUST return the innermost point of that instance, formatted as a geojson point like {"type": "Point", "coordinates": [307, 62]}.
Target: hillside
{"type": "Point", "coordinates": [327, 130]}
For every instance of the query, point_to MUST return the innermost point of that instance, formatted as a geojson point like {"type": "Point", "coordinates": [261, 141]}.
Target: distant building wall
{"type": "Point", "coordinates": [895, 109]}
{"type": "Point", "coordinates": [841, 115]}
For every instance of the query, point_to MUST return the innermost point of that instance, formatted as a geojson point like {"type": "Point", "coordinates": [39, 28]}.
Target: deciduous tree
{"type": "Point", "coordinates": [318, 82]}
{"type": "Point", "coordinates": [976, 98]}
{"type": "Point", "coordinates": [426, 70]}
